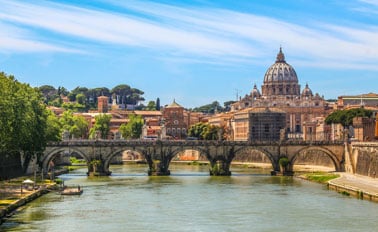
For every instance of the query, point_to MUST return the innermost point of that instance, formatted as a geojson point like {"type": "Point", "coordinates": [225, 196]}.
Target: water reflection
{"type": "Point", "coordinates": [191, 200]}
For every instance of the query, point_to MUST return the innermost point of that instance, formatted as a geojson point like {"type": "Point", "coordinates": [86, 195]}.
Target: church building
{"type": "Point", "coordinates": [282, 90]}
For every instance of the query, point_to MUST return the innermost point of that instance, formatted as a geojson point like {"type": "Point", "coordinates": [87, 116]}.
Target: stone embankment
{"type": "Point", "coordinates": [8, 210]}
{"type": "Point", "coordinates": [362, 187]}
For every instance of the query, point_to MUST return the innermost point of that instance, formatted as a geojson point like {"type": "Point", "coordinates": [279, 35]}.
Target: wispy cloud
{"type": "Point", "coordinates": [367, 7]}
{"type": "Point", "coordinates": [15, 39]}
{"type": "Point", "coordinates": [191, 33]}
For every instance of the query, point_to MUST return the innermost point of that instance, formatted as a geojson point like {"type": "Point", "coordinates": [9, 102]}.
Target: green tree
{"type": "Point", "coordinates": [345, 117]}
{"type": "Point", "coordinates": [133, 129]}
{"type": "Point", "coordinates": [23, 120]}
{"type": "Point", "coordinates": [211, 132]}
{"type": "Point", "coordinates": [102, 125]}
{"type": "Point", "coordinates": [227, 105]}
{"type": "Point", "coordinates": [75, 124]}
{"type": "Point", "coordinates": [205, 131]}
{"type": "Point", "coordinates": [210, 108]}
{"type": "Point", "coordinates": [151, 106]}
{"type": "Point", "coordinates": [49, 93]}
{"type": "Point", "coordinates": [158, 104]}
{"type": "Point", "coordinates": [127, 95]}
{"type": "Point", "coordinates": [80, 98]}
{"type": "Point", "coordinates": [74, 106]}
{"type": "Point", "coordinates": [196, 130]}
{"type": "Point", "coordinates": [53, 130]}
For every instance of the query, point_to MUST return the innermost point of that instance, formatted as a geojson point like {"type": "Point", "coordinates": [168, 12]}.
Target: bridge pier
{"type": "Point", "coordinates": [220, 168]}
{"type": "Point", "coordinates": [158, 159]}
{"type": "Point", "coordinates": [96, 168]}
{"type": "Point", "coordinates": [158, 168]}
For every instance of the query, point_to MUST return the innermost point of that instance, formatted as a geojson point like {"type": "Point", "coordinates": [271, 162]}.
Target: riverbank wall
{"type": "Point", "coordinates": [11, 208]}
{"type": "Point", "coordinates": [361, 187]}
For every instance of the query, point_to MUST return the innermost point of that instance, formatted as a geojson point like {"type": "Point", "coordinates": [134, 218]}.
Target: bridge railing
{"type": "Point", "coordinates": [139, 142]}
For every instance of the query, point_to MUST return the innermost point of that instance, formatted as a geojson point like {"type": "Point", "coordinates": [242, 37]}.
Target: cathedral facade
{"type": "Point", "coordinates": [281, 89]}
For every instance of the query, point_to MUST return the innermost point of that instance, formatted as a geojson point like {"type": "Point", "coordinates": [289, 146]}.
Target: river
{"type": "Point", "coordinates": [191, 200]}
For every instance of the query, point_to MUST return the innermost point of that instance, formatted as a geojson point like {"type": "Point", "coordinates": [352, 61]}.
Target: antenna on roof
{"type": "Point", "coordinates": [237, 94]}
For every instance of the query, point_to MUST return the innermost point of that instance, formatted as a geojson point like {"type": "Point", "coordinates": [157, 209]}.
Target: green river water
{"type": "Point", "coordinates": [191, 200]}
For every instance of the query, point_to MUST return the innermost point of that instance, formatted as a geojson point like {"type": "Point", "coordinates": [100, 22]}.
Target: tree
{"type": "Point", "coordinates": [49, 93]}
{"type": "Point", "coordinates": [53, 130]}
{"type": "Point", "coordinates": [73, 106]}
{"type": "Point", "coordinates": [127, 95]}
{"type": "Point", "coordinates": [151, 106]}
{"type": "Point", "coordinates": [211, 132]}
{"type": "Point", "coordinates": [80, 98]}
{"type": "Point", "coordinates": [210, 108]}
{"type": "Point", "coordinates": [227, 105]}
{"type": "Point", "coordinates": [158, 104]}
{"type": "Point", "coordinates": [196, 130]}
{"type": "Point", "coordinates": [23, 120]}
{"type": "Point", "coordinates": [205, 131]}
{"type": "Point", "coordinates": [133, 129]}
{"type": "Point", "coordinates": [76, 125]}
{"type": "Point", "coordinates": [345, 117]}
{"type": "Point", "coordinates": [102, 126]}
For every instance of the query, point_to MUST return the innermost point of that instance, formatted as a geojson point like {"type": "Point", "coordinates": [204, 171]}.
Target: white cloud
{"type": "Point", "coordinates": [14, 39]}
{"type": "Point", "coordinates": [214, 35]}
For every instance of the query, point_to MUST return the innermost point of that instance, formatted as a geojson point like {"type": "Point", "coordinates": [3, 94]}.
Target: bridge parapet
{"type": "Point", "coordinates": [138, 142]}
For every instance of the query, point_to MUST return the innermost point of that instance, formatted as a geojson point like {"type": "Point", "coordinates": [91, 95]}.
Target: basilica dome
{"type": "Point", "coordinates": [280, 78]}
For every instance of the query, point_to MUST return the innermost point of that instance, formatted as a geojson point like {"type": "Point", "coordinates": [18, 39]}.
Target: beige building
{"type": "Point", "coordinates": [362, 100]}
{"type": "Point", "coordinates": [259, 124]}
{"type": "Point", "coordinates": [364, 128]}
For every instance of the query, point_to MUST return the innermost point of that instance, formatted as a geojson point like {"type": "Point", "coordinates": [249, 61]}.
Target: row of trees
{"type": "Point", "coordinates": [345, 117]}
{"type": "Point", "coordinates": [214, 107]}
{"type": "Point", "coordinates": [77, 127]}
{"type": "Point", "coordinates": [83, 99]}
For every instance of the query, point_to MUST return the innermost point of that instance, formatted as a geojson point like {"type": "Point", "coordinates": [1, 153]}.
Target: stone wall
{"type": "Point", "coordinates": [367, 163]}
{"type": "Point", "coordinates": [317, 158]}
{"type": "Point", "coordinates": [251, 156]}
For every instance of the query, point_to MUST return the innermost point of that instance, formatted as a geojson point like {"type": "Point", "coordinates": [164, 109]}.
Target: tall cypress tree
{"type": "Point", "coordinates": [158, 104]}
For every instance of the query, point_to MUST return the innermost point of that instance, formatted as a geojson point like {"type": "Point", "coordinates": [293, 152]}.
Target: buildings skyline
{"type": "Point", "coordinates": [281, 111]}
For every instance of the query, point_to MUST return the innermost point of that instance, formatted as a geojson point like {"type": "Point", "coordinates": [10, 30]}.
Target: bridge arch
{"type": "Point", "coordinates": [120, 150]}
{"type": "Point", "coordinates": [270, 156]}
{"type": "Point", "coordinates": [201, 152]}
{"type": "Point", "coordinates": [56, 151]}
{"type": "Point", "coordinates": [336, 162]}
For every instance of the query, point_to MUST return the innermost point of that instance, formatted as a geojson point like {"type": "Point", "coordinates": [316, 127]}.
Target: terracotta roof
{"type": "Point", "coordinates": [148, 112]}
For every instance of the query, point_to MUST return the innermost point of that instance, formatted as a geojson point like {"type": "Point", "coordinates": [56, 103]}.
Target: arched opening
{"type": "Point", "coordinates": [127, 156]}
{"type": "Point", "coordinates": [189, 160]}
{"type": "Point", "coordinates": [189, 155]}
{"type": "Point", "coordinates": [252, 159]}
{"type": "Point", "coordinates": [126, 161]}
{"type": "Point", "coordinates": [314, 159]}
{"type": "Point", "coordinates": [62, 161]}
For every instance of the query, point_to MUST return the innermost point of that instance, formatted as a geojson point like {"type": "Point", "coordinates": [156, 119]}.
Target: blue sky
{"type": "Point", "coordinates": [195, 52]}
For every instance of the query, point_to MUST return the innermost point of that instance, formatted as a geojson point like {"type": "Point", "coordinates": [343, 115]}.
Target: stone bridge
{"type": "Point", "coordinates": [159, 153]}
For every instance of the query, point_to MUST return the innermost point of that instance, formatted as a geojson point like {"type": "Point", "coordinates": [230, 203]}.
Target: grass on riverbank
{"type": "Point", "coordinates": [319, 177]}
